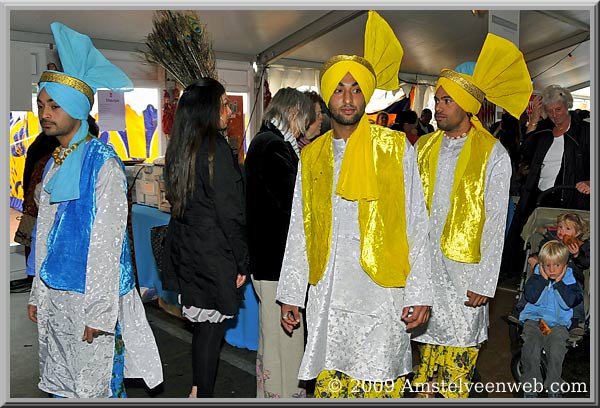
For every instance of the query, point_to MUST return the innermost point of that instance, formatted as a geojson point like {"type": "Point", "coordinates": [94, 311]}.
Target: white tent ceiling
{"type": "Point", "coordinates": [432, 39]}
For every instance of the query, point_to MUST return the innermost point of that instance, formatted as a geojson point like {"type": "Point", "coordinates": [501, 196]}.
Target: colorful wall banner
{"type": "Point", "coordinates": [235, 126]}
{"type": "Point", "coordinates": [139, 140]}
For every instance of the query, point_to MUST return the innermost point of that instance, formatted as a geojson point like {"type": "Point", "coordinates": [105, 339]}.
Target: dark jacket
{"type": "Point", "coordinates": [575, 166]}
{"type": "Point", "coordinates": [271, 166]}
{"type": "Point", "coordinates": [424, 129]}
{"type": "Point", "coordinates": [206, 249]}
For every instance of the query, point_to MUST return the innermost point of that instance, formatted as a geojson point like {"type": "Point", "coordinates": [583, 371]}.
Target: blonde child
{"type": "Point", "coordinates": [569, 226]}
{"type": "Point", "coordinates": [551, 294]}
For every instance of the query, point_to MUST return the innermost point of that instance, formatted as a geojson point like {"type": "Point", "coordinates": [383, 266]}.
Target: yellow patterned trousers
{"type": "Point", "coordinates": [335, 384]}
{"type": "Point", "coordinates": [454, 366]}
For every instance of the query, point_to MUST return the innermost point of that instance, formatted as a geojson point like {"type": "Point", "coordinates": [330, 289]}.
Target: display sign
{"type": "Point", "coordinates": [111, 110]}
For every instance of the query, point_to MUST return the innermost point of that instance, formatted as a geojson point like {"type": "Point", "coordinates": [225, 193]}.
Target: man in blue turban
{"type": "Point", "coordinates": [92, 327]}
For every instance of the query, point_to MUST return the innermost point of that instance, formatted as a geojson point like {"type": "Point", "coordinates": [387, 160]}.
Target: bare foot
{"type": "Point", "coordinates": [194, 392]}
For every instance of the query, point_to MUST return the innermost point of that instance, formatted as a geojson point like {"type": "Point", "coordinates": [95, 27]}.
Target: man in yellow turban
{"type": "Point", "coordinates": [358, 236]}
{"type": "Point", "coordinates": [466, 173]}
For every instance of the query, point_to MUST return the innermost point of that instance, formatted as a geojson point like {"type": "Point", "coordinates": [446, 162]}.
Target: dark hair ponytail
{"type": "Point", "coordinates": [197, 118]}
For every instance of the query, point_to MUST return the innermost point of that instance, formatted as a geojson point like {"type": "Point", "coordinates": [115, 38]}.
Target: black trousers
{"type": "Point", "coordinates": [206, 348]}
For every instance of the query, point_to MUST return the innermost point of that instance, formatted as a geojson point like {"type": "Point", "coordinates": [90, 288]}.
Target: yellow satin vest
{"type": "Point", "coordinates": [382, 222]}
{"type": "Point", "coordinates": [461, 237]}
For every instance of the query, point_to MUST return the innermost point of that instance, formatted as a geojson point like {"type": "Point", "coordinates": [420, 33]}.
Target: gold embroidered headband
{"type": "Point", "coordinates": [455, 77]}
{"type": "Point", "coordinates": [70, 81]}
{"type": "Point", "coordinates": [335, 59]}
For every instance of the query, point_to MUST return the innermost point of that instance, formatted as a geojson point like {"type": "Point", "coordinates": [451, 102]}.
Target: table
{"type": "Point", "coordinates": [242, 330]}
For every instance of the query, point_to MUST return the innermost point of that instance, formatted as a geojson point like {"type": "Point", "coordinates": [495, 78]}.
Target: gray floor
{"type": "Point", "coordinates": [236, 375]}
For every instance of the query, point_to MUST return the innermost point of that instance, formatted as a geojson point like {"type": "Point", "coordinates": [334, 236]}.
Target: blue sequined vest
{"type": "Point", "coordinates": [69, 239]}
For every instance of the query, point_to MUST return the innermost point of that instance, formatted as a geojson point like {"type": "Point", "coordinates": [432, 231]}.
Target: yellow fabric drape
{"type": "Point", "coordinates": [382, 222]}
{"type": "Point", "coordinates": [461, 236]}
{"type": "Point", "coordinates": [500, 73]}
{"type": "Point", "coordinates": [357, 176]}
{"type": "Point", "coordinates": [382, 217]}
{"type": "Point", "coordinates": [383, 54]}
{"type": "Point", "coordinates": [316, 160]}
{"type": "Point", "coordinates": [383, 51]}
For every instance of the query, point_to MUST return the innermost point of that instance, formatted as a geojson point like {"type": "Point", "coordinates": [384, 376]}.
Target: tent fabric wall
{"type": "Point", "coordinates": [282, 77]}
{"type": "Point", "coordinates": [423, 98]}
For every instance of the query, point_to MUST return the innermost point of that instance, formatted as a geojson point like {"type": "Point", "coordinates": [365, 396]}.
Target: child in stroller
{"type": "Point", "coordinates": [570, 230]}
{"type": "Point", "coordinates": [551, 293]}
{"type": "Point", "coordinates": [535, 230]}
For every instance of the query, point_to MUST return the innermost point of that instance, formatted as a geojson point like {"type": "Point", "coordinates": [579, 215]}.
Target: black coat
{"type": "Point", "coordinates": [575, 168]}
{"type": "Point", "coordinates": [575, 164]}
{"type": "Point", "coordinates": [271, 166]}
{"type": "Point", "coordinates": [206, 249]}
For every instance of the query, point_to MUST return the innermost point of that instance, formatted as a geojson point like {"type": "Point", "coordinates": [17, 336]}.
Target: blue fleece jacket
{"type": "Point", "coordinates": [550, 300]}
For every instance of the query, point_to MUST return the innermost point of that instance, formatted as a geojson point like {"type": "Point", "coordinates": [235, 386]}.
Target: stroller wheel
{"type": "Point", "coordinates": [516, 366]}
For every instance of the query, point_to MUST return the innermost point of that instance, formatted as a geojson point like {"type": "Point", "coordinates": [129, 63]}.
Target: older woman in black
{"type": "Point", "coordinates": [206, 254]}
{"type": "Point", "coordinates": [557, 151]}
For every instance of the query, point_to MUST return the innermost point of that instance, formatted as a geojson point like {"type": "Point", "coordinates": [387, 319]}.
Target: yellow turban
{"type": "Point", "coordinates": [337, 67]}
{"type": "Point", "coordinates": [377, 69]}
{"type": "Point", "coordinates": [500, 76]}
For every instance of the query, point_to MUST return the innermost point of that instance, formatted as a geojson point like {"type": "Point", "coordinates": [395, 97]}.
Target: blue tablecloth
{"type": "Point", "coordinates": [143, 218]}
{"type": "Point", "coordinates": [243, 329]}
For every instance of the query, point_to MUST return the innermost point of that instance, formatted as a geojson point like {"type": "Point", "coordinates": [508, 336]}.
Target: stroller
{"type": "Point", "coordinates": [539, 222]}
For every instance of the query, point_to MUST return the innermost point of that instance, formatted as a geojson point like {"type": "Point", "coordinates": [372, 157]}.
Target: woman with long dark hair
{"type": "Point", "coordinates": [206, 254]}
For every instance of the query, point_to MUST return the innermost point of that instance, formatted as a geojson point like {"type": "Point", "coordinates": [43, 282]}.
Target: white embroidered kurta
{"type": "Point", "coordinates": [70, 367]}
{"type": "Point", "coordinates": [353, 324]}
{"type": "Point", "coordinates": [451, 322]}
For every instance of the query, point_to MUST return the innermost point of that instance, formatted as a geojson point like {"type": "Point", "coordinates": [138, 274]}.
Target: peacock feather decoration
{"type": "Point", "coordinates": [181, 45]}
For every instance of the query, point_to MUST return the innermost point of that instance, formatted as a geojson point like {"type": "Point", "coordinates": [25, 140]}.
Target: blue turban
{"type": "Point", "coordinates": [466, 68]}
{"type": "Point", "coordinates": [85, 70]}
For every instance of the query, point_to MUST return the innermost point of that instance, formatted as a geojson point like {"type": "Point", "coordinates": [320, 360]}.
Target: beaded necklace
{"type": "Point", "coordinates": [459, 136]}
{"type": "Point", "coordinates": [456, 137]}
{"type": "Point", "coordinates": [55, 154]}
